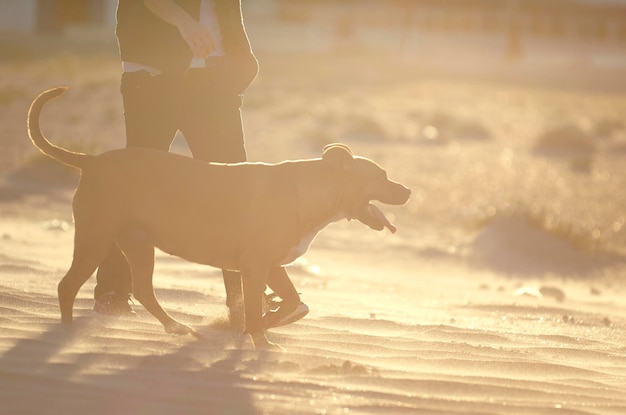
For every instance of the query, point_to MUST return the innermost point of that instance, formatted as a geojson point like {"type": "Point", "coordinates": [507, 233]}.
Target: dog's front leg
{"type": "Point", "coordinates": [234, 298]}
{"type": "Point", "coordinates": [253, 279]}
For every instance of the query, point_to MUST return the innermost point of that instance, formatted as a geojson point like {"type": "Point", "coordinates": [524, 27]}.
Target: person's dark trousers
{"type": "Point", "coordinates": [207, 113]}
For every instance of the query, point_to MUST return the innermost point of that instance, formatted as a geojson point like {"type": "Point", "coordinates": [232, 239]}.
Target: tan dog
{"type": "Point", "coordinates": [247, 216]}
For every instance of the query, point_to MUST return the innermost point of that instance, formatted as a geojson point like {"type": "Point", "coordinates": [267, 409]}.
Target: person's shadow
{"type": "Point", "coordinates": [42, 374]}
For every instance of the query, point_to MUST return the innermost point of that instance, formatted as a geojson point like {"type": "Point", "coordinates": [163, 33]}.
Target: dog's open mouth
{"type": "Point", "coordinates": [374, 218]}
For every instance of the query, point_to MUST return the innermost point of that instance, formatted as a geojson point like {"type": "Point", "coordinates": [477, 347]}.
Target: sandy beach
{"type": "Point", "coordinates": [503, 291]}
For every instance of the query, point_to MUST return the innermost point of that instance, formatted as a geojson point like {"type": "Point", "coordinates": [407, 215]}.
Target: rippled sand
{"type": "Point", "coordinates": [503, 292]}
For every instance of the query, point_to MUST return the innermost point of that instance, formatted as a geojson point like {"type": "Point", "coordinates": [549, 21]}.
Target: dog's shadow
{"type": "Point", "coordinates": [59, 372]}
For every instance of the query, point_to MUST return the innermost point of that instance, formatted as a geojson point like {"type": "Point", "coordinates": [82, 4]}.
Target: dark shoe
{"type": "Point", "coordinates": [112, 304]}
{"type": "Point", "coordinates": [271, 302]}
{"type": "Point", "coordinates": [294, 316]}
{"type": "Point", "coordinates": [301, 311]}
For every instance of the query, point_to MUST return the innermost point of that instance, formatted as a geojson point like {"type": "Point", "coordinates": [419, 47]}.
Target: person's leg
{"type": "Point", "coordinates": [290, 309]}
{"type": "Point", "coordinates": [212, 126]}
{"type": "Point", "coordinates": [211, 119]}
{"type": "Point", "coordinates": [151, 110]}
{"type": "Point", "coordinates": [211, 123]}
{"type": "Point", "coordinates": [150, 114]}
{"type": "Point", "coordinates": [279, 282]}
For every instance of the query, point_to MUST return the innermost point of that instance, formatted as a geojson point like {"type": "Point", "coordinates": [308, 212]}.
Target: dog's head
{"type": "Point", "coordinates": [364, 181]}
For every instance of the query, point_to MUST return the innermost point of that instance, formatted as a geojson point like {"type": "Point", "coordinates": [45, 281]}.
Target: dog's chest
{"type": "Point", "coordinates": [305, 241]}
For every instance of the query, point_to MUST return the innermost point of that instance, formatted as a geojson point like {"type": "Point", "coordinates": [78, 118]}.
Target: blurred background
{"type": "Point", "coordinates": [583, 33]}
{"type": "Point", "coordinates": [535, 30]}
{"type": "Point", "coordinates": [505, 117]}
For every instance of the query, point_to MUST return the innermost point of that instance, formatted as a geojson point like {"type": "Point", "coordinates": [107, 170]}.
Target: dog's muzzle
{"type": "Point", "coordinates": [373, 217]}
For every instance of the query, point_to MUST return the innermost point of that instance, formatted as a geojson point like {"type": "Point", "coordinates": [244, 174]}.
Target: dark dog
{"type": "Point", "coordinates": [249, 217]}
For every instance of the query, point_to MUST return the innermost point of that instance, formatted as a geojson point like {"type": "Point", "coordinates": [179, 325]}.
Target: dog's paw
{"type": "Point", "coordinates": [260, 342]}
{"type": "Point", "coordinates": [179, 328]}
{"type": "Point", "coordinates": [272, 347]}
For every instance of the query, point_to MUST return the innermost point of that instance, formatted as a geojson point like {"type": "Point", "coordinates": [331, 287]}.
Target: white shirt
{"type": "Point", "coordinates": [208, 18]}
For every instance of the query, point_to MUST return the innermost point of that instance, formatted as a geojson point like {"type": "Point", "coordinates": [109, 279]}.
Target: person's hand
{"type": "Point", "coordinates": [198, 37]}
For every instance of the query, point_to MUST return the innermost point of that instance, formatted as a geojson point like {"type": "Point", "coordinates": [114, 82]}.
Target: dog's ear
{"type": "Point", "coordinates": [337, 153]}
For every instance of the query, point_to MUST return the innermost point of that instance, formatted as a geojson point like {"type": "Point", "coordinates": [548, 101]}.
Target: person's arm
{"type": "Point", "coordinates": [195, 34]}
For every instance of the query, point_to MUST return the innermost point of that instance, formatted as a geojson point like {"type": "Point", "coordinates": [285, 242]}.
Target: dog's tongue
{"type": "Point", "coordinates": [374, 218]}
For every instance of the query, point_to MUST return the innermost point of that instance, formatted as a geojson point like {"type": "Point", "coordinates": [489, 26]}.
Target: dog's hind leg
{"type": "Point", "coordinates": [89, 251]}
{"type": "Point", "coordinates": [140, 256]}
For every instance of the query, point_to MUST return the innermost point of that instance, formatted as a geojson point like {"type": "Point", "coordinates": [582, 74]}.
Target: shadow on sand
{"type": "Point", "coordinates": [54, 373]}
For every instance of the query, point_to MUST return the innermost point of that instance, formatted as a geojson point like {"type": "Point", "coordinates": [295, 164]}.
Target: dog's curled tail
{"type": "Point", "coordinates": [70, 158]}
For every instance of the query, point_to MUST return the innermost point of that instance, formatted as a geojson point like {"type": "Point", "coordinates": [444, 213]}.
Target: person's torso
{"type": "Point", "coordinates": [145, 39]}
